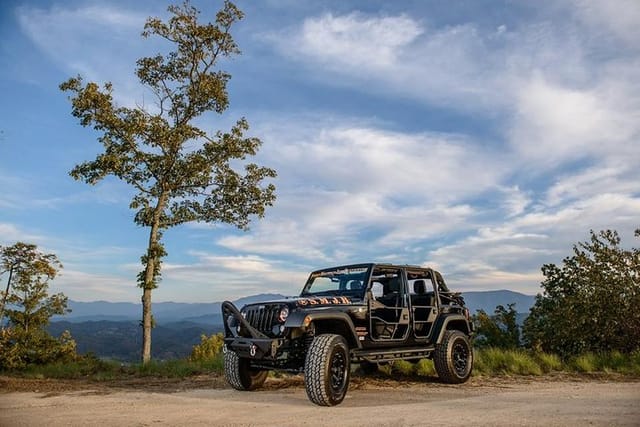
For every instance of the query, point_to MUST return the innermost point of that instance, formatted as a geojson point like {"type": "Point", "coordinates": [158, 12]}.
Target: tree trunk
{"type": "Point", "coordinates": [146, 295]}
{"type": "Point", "coordinates": [153, 255]}
{"type": "Point", "coordinates": [146, 325]}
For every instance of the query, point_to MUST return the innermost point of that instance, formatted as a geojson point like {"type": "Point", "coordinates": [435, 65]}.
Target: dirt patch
{"type": "Point", "coordinates": [278, 382]}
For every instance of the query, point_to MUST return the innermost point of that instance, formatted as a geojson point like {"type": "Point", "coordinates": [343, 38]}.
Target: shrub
{"type": "Point", "coordinates": [402, 367]}
{"type": "Point", "coordinates": [425, 368]}
{"type": "Point", "coordinates": [208, 349]}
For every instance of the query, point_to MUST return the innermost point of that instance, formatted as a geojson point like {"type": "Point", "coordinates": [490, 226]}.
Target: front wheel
{"type": "Point", "coordinates": [239, 373]}
{"type": "Point", "coordinates": [327, 370]}
{"type": "Point", "coordinates": [453, 358]}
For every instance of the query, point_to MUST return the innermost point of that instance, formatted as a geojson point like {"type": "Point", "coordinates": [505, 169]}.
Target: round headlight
{"type": "Point", "coordinates": [284, 313]}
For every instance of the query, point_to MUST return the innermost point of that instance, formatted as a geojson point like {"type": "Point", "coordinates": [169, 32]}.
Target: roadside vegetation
{"type": "Point", "coordinates": [586, 321]}
{"type": "Point", "coordinates": [205, 359]}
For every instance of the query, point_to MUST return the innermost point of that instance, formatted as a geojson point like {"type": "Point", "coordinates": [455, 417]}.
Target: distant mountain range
{"type": "Point", "coordinates": [163, 312]}
{"type": "Point", "coordinates": [112, 329]}
{"type": "Point", "coordinates": [488, 300]}
{"type": "Point", "coordinates": [209, 313]}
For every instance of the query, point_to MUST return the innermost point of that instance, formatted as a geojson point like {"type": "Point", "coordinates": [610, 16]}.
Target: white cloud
{"type": "Point", "coordinates": [348, 191]}
{"type": "Point", "coordinates": [11, 233]}
{"type": "Point", "coordinates": [515, 201]}
{"type": "Point", "coordinates": [83, 286]}
{"type": "Point", "coordinates": [555, 124]}
{"type": "Point", "coordinates": [589, 182]}
{"type": "Point", "coordinates": [355, 40]}
{"type": "Point", "coordinates": [510, 253]}
{"type": "Point", "coordinates": [229, 277]}
{"type": "Point", "coordinates": [620, 17]}
{"type": "Point", "coordinates": [395, 53]}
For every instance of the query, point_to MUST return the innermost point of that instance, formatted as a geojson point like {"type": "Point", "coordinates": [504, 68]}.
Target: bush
{"type": "Point", "coordinates": [208, 349]}
{"type": "Point", "coordinates": [425, 368]}
{"type": "Point", "coordinates": [566, 321]}
{"type": "Point", "coordinates": [402, 367]}
{"type": "Point", "coordinates": [19, 350]}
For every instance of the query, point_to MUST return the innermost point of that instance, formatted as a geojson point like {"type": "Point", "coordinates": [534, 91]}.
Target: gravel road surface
{"type": "Point", "coordinates": [510, 403]}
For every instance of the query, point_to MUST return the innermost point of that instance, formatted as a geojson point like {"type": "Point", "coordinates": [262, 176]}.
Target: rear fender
{"type": "Point", "coordinates": [453, 321]}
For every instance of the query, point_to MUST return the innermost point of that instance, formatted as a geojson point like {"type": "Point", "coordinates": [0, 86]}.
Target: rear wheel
{"type": "Point", "coordinates": [453, 358]}
{"type": "Point", "coordinates": [327, 370]}
{"type": "Point", "coordinates": [239, 373]}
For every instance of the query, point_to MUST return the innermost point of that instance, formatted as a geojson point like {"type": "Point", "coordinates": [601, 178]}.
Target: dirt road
{"type": "Point", "coordinates": [506, 403]}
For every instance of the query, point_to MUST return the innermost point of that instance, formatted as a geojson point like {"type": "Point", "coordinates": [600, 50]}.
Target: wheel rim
{"type": "Point", "coordinates": [338, 371]}
{"type": "Point", "coordinates": [460, 357]}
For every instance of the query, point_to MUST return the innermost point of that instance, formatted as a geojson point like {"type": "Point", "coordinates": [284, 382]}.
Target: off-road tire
{"type": "Point", "coordinates": [239, 373]}
{"type": "Point", "coordinates": [327, 370]}
{"type": "Point", "coordinates": [453, 357]}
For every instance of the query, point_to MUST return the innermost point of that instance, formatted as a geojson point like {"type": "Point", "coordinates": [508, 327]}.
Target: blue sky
{"type": "Point", "coordinates": [481, 138]}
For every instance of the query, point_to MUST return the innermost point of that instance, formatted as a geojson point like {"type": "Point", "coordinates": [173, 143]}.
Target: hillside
{"type": "Point", "coordinates": [123, 340]}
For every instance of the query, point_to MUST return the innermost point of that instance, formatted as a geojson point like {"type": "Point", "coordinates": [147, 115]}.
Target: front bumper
{"type": "Point", "coordinates": [246, 341]}
{"type": "Point", "coordinates": [253, 348]}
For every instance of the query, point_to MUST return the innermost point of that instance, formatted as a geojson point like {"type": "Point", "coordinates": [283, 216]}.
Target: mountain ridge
{"type": "Point", "coordinates": [209, 313]}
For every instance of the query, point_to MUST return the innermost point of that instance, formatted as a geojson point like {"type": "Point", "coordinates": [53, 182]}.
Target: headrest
{"type": "Point", "coordinates": [394, 284]}
{"type": "Point", "coordinates": [419, 287]}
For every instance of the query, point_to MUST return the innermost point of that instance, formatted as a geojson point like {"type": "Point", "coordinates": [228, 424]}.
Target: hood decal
{"type": "Point", "coordinates": [323, 301]}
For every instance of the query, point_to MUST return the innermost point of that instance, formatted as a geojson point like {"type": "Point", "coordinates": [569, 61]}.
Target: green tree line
{"type": "Point", "coordinates": [589, 304]}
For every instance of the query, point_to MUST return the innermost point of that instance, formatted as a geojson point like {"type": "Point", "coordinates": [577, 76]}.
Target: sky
{"type": "Point", "coordinates": [481, 138]}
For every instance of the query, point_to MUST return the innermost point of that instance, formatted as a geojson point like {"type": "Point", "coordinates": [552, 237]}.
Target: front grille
{"type": "Point", "coordinates": [262, 317]}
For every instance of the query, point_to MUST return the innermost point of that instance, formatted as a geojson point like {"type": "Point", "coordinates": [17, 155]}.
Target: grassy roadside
{"type": "Point", "coordinates": [488, 362]}
{"type": "Point", "coordinates": [499, 362]}
{"type": "Point", "coordinates": [92, 368]}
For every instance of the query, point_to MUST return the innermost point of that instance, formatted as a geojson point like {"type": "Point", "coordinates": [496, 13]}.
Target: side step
{"type": "Point", "coordinates": [387, 355]}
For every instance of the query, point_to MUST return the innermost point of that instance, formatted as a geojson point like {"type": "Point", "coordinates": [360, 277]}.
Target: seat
{"type": "Point", "coordinates": [391, 292]}
{"type": "Point", "coordinates": [421, 298]}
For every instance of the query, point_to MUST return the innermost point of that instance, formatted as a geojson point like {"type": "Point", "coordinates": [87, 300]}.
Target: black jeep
{"type": "Point", "coordinates": [365, 314]}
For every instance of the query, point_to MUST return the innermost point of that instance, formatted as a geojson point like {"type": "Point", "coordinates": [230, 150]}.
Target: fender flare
{"type": "Point", "coordinates": [442, 325]}
{"type": "Point", "coordinates": [301, 319]}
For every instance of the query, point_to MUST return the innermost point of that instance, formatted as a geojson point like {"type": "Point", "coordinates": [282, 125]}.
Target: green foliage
{"type": "Point", "coordinates": [548, 362]}
{"type": "Point", "coordinates": [425, 368]}
{"type": "Point", "coordinates": [402, 367]}
{"type": "Point", "coordinates": [179, 368]}
{"type": "Point", "coordinates": [90, 367]}
{"type": "Point", "coordinates": [500, 330]}
{"type": "Point", "coordinates": [488, 362]}
{"type": "Point", "coordinates": [609, 362]}
{"type": "Point", "coordinates": [180, 172]}
{"type": "Point", "coordinates": [591, 303]}
{"type": "Point", "coordinates": [585, 363]}
{"type": "Point", "coordinates": [87, 366]}
{"type": "Point", "coordinates": [208, 349]}
{"type": "Point", "coordinates": [495, 361]}
{"type": "Point", "coordinates": [24, 340]}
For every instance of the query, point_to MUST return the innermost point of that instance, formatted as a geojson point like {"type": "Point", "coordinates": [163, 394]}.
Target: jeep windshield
{"type": "Point", "coordinates": [342, 281]}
